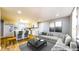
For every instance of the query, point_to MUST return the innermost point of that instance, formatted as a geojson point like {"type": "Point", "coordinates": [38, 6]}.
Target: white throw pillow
{"type": "Point", "coordinates": [60, 46]}
{"type": "Point", "coordinates": [67, 40]}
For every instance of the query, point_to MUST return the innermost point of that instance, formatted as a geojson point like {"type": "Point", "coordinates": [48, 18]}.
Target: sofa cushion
{"type": "Point", "coordinates": [44, 33]}
{"type": "Point", "coordinates": [54, 38]}
{"type": "Point", "coordinates": [60, 46]}
{"type": "Point", "coordinates": [50, 34]}
{"type": "Point", "coordinates": [67, 40]}
{"type": "Point", "coordinates": [57, 48]}
{"type": "Point", "coordinates": [60, 35]}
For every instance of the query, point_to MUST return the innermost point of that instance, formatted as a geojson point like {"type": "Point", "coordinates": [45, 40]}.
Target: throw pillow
{"type": "Point", "coordinates": [51, 34]}
{"type": "Point", "coordinates": [44, 33]}
{"type": "Point", "coordinates": [67, 40]}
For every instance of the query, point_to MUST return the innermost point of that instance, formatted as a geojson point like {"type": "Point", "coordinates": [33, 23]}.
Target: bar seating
{"type": "Point", "coordinates": [26, 34]}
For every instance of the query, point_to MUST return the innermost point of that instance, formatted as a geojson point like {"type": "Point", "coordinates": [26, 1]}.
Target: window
{"type": "Point", "coordinates": [56, 26]}
{"type": "Point", "coordinates": [52, 26]}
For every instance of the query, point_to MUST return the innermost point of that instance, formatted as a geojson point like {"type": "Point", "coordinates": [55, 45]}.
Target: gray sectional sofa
{"type": "Point", "coordinates": [63, 41]}
{"type": "Point", "coordinates": [53, 35]}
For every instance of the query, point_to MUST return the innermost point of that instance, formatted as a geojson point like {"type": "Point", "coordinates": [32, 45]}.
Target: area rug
{"type": "Point", "coordinates": [50, 45]}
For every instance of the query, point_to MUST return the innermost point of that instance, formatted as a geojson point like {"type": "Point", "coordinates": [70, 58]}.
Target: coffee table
{"type": "Point", "coordinates": [37, 44]}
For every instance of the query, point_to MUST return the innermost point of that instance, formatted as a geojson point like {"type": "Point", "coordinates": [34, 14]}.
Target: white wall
{"type": "Point", "coordinates": [66, 25]}
{"type": "Point", "coordinates": [43, 27]}
{"type": "Point", "coordinates": [7, 31]}
{"type": "Point", "coordinates": [74, 23]}
{"type": "Point", "coordinates": [70, 25]}
{"type": "Point", "coordinates": [78, 24]}
{"type": "Point", "coordinates": [66, 22]}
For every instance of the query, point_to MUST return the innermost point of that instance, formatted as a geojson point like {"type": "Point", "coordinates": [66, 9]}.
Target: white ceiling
{"type": "Point", "coordinates": [37, 13]}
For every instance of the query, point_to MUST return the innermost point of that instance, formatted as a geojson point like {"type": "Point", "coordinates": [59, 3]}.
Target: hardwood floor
{"type": "Point", "coordinates": [10, 43]}
{"type": "Point", "coordinates": [14, 47]}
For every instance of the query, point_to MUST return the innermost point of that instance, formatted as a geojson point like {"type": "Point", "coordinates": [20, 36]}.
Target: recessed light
{"type": "Point", "coordinates": [19, 12]}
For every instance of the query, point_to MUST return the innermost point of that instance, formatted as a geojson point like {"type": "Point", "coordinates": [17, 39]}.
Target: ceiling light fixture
{"type": "Point", "coordinates": [19, 12]}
